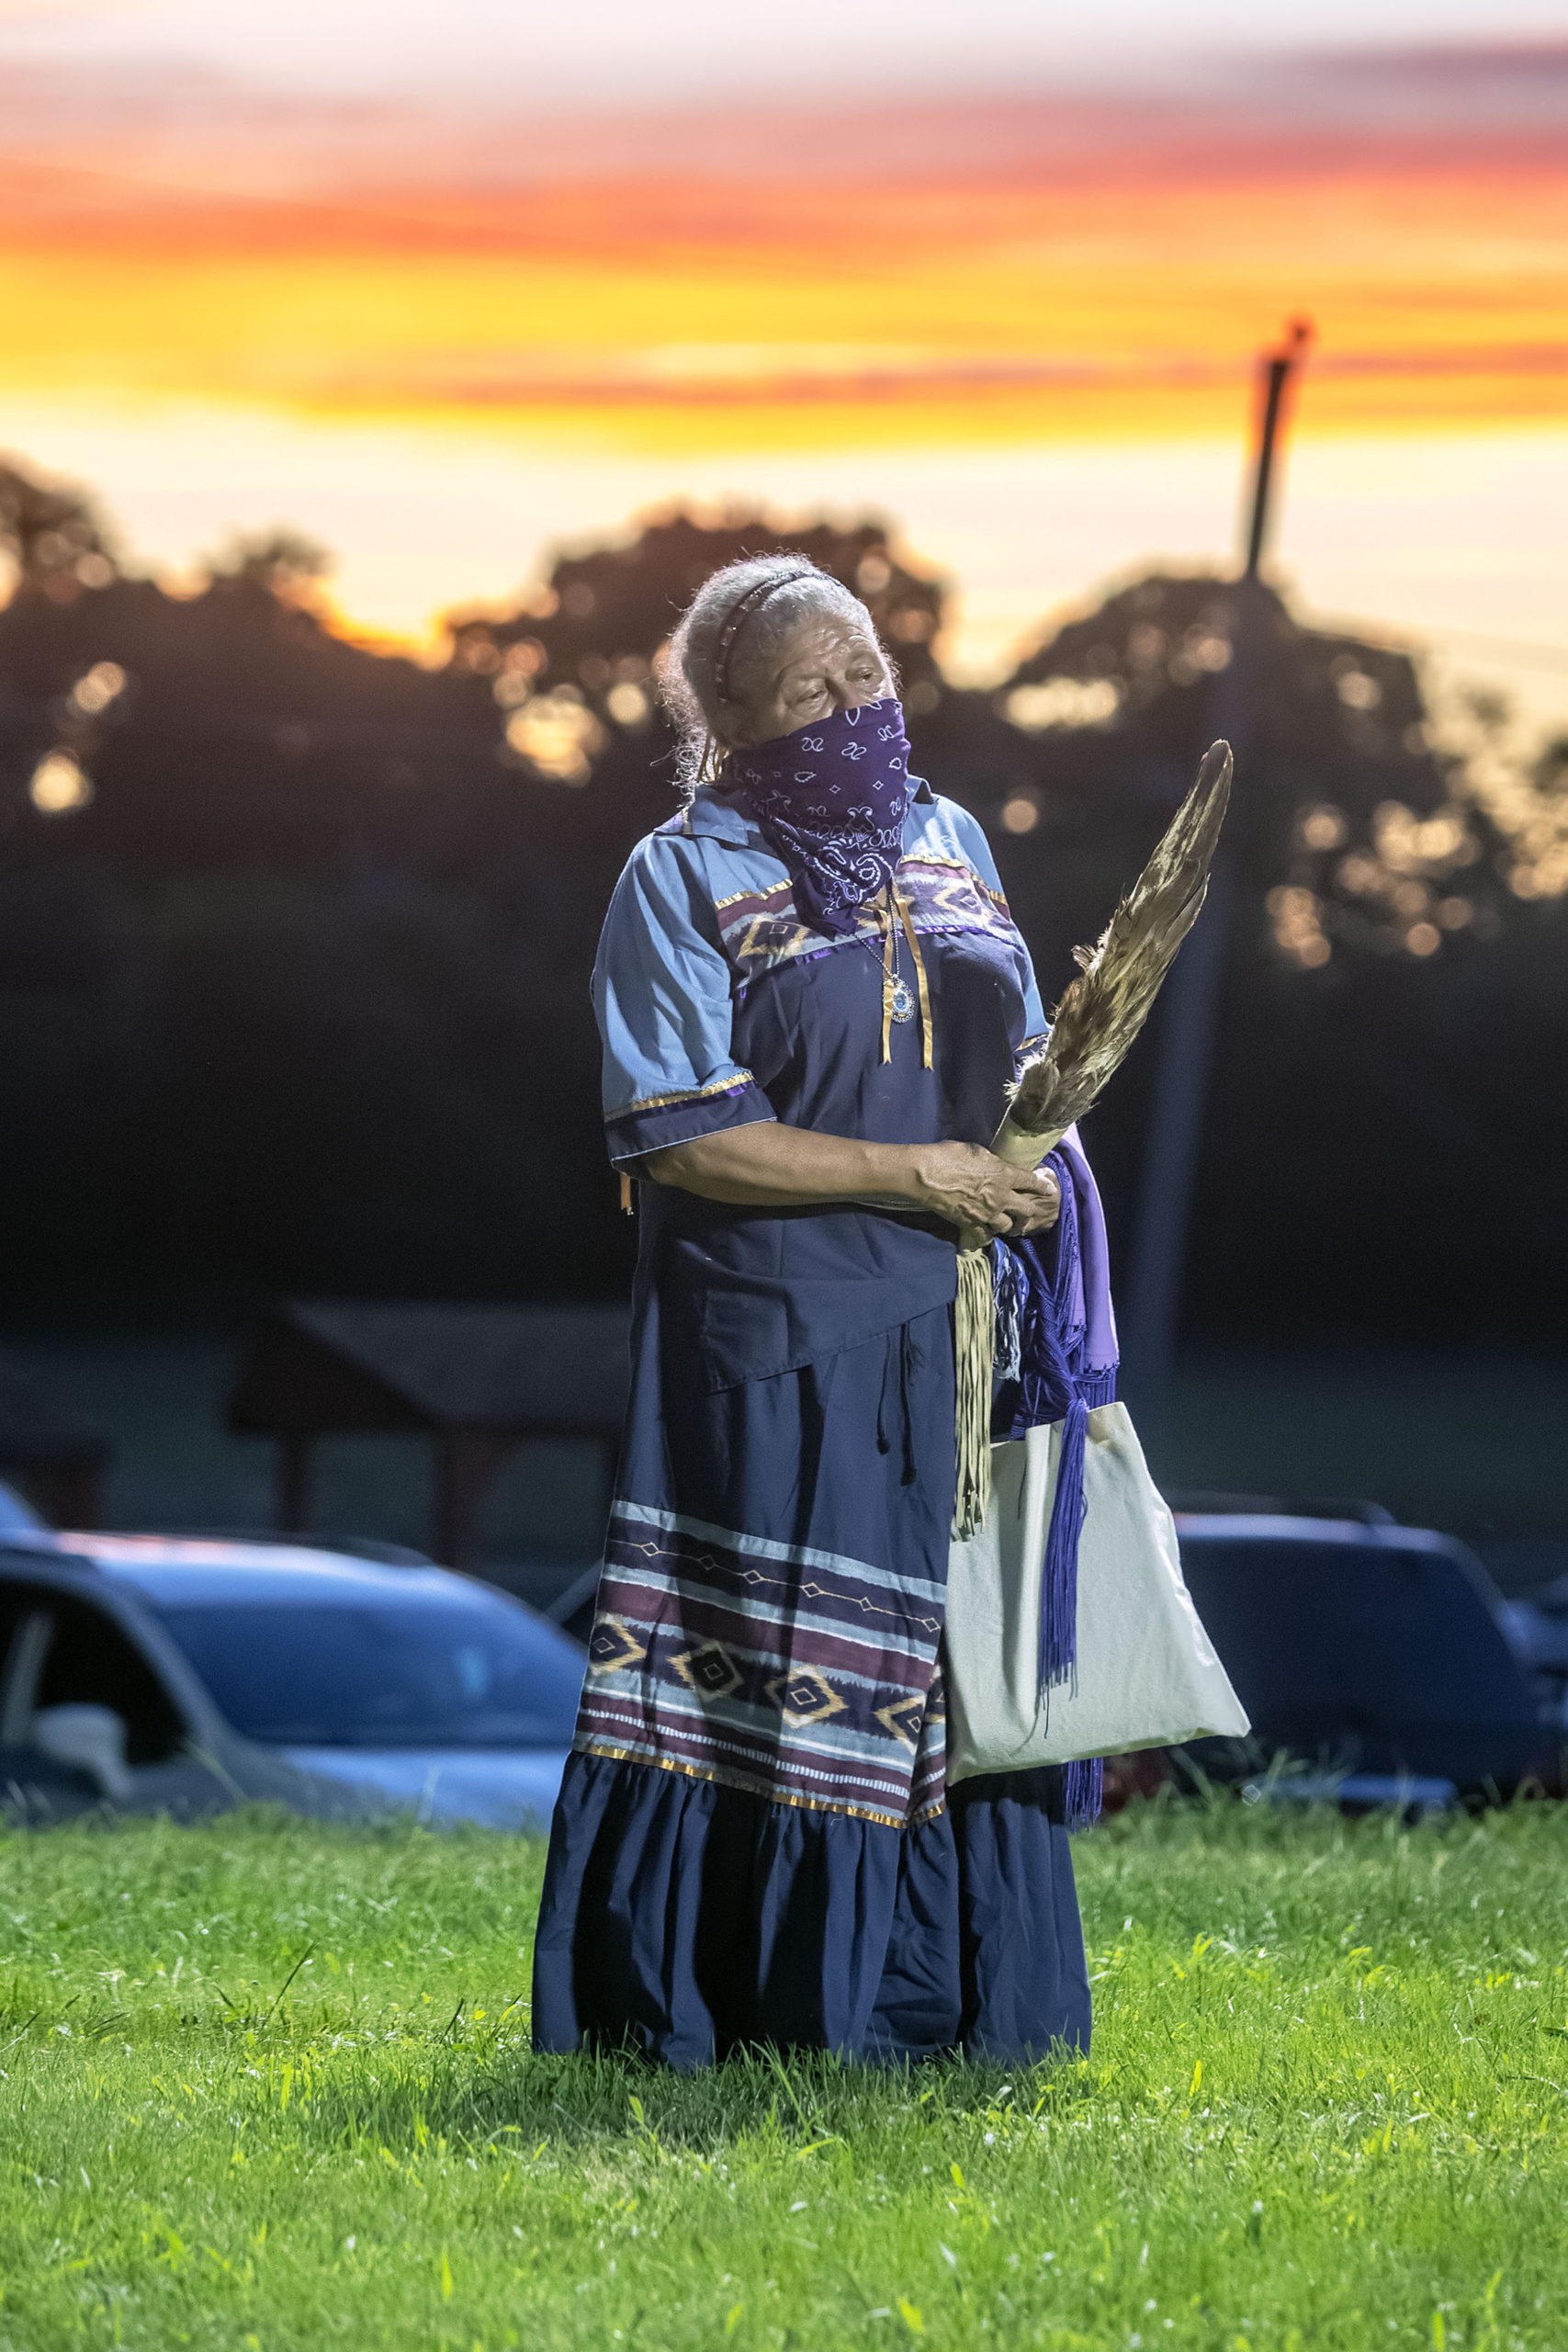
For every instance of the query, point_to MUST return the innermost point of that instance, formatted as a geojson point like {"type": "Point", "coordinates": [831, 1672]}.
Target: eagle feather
{"type": "Point", "coordinates": [1103, 1011]}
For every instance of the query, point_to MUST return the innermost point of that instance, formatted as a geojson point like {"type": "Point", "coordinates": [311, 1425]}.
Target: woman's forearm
{"type": "Point", "coordinates": [769, 1165]}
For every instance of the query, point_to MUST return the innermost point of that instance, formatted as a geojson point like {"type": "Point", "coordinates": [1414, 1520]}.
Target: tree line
{"type": "Point", "coordinates": [294, 935]}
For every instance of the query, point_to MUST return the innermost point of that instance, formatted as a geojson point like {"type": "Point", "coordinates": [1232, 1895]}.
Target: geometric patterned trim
{"type": "Point", "coordinates": [904, 1719]}
{"type": "Point", "coordinates": [802, 1676]}
{"type": "Point", "coordinates": [760, 930]}
{"type": "Point", "coordinates": [612, 1646]}
{"type": "Point", "coordinates": [803, 1696]}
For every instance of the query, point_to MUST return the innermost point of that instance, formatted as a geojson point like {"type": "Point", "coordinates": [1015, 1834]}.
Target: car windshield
{"type": "Point", "coordinates": [373, 1673]}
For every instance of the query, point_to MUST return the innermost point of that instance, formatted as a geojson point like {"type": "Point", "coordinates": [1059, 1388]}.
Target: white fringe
{"type": "Point", "coordinates": [974, 1341]}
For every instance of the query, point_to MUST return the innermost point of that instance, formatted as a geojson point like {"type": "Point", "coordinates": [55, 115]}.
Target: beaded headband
{"type": "Point", "coordinates": [738, 613]}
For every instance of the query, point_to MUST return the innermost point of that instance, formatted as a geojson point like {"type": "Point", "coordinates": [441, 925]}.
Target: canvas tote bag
{"type": "Point", "coordinates": [1147, 1675]}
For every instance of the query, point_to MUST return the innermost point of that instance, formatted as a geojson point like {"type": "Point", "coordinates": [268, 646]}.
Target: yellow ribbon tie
{"type": "Point", "coordinates": [924, 992]}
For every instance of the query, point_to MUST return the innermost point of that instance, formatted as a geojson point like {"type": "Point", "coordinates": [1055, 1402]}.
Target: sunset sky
{"type": "Point", "coordinates": [447, 285]}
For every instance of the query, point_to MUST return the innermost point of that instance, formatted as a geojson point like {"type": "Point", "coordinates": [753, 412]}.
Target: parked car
{"type": "Point", "coordinates": [161, 1673]}
{"type": "Point", "coordinates": [167, 1674]}
{"type": "Point", "coordinates": [1537, 1631]}
{"type": "Point", "coordinates": [1382, 1659]}
{"type": "Point", "coordinates": [17, 1517]}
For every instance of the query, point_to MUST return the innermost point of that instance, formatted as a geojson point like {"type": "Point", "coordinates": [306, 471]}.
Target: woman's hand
{"type": "Point", "coordinates": [971, 1188]}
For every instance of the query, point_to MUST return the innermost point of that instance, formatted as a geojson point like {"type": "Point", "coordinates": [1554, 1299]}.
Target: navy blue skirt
{"type": "Point", "coordinates": [754, 1842]}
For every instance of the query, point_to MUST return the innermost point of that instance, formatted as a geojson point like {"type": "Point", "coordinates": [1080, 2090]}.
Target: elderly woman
{"type": "Point", "coordinates": [812, 1000]}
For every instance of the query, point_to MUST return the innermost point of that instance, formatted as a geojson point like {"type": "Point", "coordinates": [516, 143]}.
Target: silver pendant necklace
{"type": "Point", "coordinates": [902, 1006]}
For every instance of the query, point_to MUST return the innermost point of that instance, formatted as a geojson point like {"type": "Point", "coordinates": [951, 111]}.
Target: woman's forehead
{"type": "Point", "coordinates": [817, 634]}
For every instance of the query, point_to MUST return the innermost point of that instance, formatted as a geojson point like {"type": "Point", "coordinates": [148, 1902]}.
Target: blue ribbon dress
{"type": "Point", "coordinates": [754, 1842]}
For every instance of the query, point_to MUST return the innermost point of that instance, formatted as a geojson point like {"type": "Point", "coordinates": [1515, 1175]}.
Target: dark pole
{"type": "Point", "coordinates": [1187, 1017]}
{"type": "Point", "coordinates": [292, 1513]}
{"type": "Point", "coordinates": [1277, 368]}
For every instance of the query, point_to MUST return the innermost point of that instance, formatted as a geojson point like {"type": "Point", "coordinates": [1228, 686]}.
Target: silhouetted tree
{"type": "Point", "coordinates": [285, 563]}
{"type": "Point", "coordinates": [605, 614]}
{"type": "Point", "coordinates": [54, 539]}
{"type": "Point", "coordinates": [296, 995]}
{"type": "Point", "coordinates": [1355, 832]}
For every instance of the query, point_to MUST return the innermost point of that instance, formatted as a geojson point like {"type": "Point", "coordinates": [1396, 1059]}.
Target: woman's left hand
{"type": "Point", "coordinates": [980, 1194]}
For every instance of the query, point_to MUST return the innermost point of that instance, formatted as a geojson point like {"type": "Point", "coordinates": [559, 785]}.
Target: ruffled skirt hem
{"type": "Point", "coordinates": [685, 1919]}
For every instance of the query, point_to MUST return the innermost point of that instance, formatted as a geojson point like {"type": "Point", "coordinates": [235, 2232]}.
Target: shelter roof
{"type": "Point", "coordinates": [35, 1436]}
{"type": "Point", "coordinates": [324, 1368]}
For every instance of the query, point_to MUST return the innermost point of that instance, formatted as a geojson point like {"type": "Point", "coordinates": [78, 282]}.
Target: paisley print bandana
{"type": "Point", "coordinates": [830, 800]}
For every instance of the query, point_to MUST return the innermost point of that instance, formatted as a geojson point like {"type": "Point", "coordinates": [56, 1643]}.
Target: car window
{"type": "Point", "coordinates": [17, 1517]}
{"type": "Point", "coordinates": [15, 1599]}
{"type": "Point", "coordinates": [86, 1659]}
{"type": "Point", "coordinates": [24, 1628]}
{"type": "Point", "coordinates": [1393, 1633]}
{"type": "Point", "coordinates": [414, 1674]}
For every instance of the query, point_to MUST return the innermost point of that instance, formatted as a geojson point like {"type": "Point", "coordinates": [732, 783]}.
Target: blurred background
{"type": "Point", "coordinates": [377, 384]}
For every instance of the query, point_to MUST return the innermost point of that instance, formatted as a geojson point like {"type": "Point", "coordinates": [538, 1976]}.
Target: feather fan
{"type": "Point", "coordinates": [1096, 1023]}
{"type": "Point", "coordinates": [1103, 1010]}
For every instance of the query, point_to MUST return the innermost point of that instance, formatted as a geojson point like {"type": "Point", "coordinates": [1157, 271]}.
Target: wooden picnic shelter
{"type": "Point", "coordinates": [57, 1461]}
{"type": "Point", "coordinates": [474, 1382]}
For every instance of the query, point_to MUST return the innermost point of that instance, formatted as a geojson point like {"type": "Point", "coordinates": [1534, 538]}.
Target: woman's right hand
{"type": "Point", "coordinates": [971, 1188]}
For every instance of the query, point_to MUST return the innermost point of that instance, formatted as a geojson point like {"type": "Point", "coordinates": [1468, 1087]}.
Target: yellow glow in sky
{"type": "Point", "coordinates": [1039, 364]}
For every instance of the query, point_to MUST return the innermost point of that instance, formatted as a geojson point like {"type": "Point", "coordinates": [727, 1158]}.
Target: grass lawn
{"type": "Point", "coordinates": [265, 2085]}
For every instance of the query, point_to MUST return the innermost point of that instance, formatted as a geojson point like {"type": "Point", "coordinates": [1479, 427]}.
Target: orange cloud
{"type": "Point", "coordinates": [971, 274]}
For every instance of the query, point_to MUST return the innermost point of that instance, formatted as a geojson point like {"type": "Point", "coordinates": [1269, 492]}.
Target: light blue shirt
{"type": "Point", "coordinates": [703, 909]}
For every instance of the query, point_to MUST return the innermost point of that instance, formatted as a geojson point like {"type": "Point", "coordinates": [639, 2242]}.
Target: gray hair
{"type": "Point", "coordinates": [689, 671]}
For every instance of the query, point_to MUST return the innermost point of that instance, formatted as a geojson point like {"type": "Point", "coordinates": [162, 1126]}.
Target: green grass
{"type": "Point", "coordinates": [267, 2085]}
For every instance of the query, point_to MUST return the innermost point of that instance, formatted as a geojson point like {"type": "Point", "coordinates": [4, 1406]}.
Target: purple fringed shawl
{"type": "Point", "coordinates": [1066, 1357]}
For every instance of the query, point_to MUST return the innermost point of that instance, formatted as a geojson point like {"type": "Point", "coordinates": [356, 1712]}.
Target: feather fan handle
{"type": "Point", "coordinates": [1103, 1010]}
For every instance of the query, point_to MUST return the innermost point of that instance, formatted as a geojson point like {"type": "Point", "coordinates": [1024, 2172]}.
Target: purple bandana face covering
{"type": "Point", "coordinates": [830, 800]}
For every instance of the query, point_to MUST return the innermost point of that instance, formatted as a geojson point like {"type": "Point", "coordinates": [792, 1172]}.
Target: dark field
{"type": "Point", "coordinates": [1471, 1446]}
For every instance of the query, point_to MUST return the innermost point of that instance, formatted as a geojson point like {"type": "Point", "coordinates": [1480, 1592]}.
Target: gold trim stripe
{"type": "Point", "coordinates": [683, 1094]}
{"type": "Point", "coordinates": [749, 1787]}
{"type": "Point", "coordinates": [773, 890]}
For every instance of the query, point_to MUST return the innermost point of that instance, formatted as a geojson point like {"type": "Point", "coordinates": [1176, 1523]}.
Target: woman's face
{"type": "Point", "coordinates": [826, 663]}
